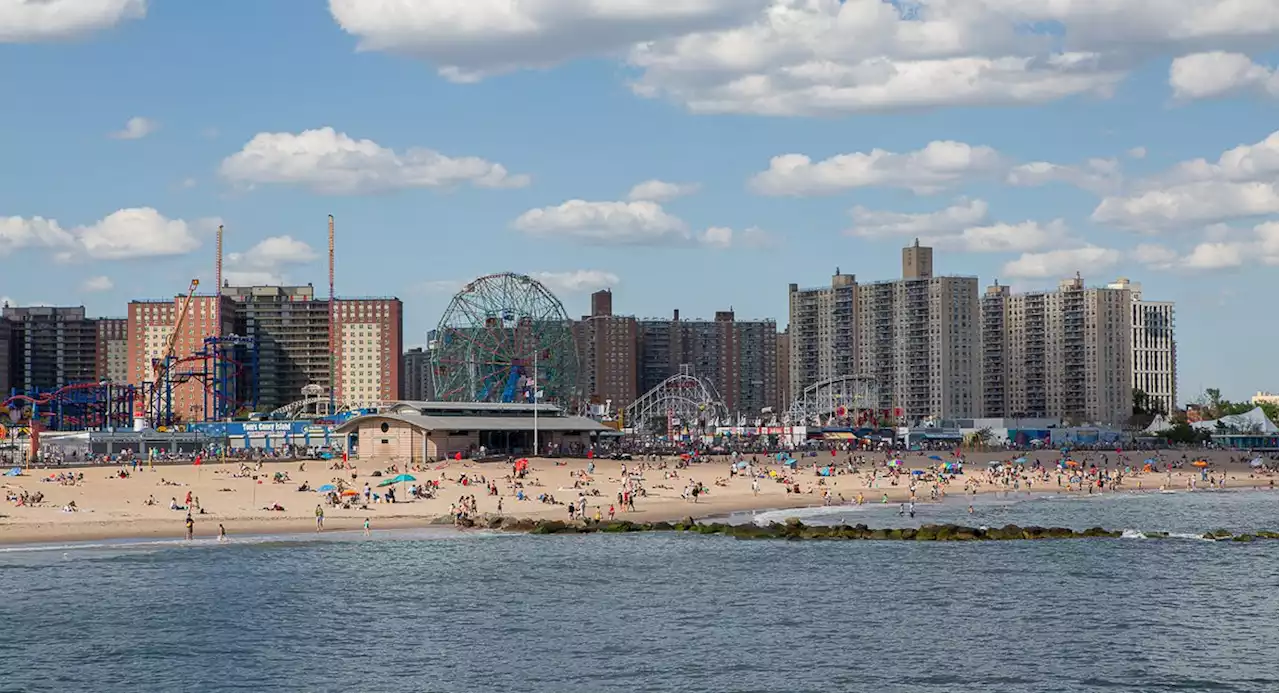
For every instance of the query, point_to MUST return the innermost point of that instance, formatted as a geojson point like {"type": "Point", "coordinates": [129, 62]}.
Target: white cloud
{"type": "Point", "coordinates": [1240, 184]}
{"type": "Point", "coordinates": [1217, 73]}
{"type": "Point", "coordinates": [870, 223]}
{"type": "Point", "coordinates": [1259, 161]}
{"type": "Point", "coordinates": [1190, 204]}
{"type": "Point", "coordinates": [1226, 248]}
{"type": "Point", "coordinates": [273, 252]}
{"type": "Point", "coordinates": [236, 277]}
{"type": "Point", "coordinates": [817, 57]}
{"type": "Point", "coordinates": [660, 191]}
{"type": "Point", "coordinates": [121, 235]}
{"type": "Point", "coordinates": [1137, 153]}
{"type": "Point", "coordinates": [1095, 175]}
{"type": "Point", "coordinates": [330, 162]}
{"type": "Point", "coordinates": [135, 128]}
{"type": "Point", "coordinates": [1060, 263]}
{"type": "Point", "coordinates": [264, 263]}
{"type": "Point", "coordinates": [471, 39]}
{"type": "Point", "coordinates": [1003, 238]}
{"type": "Point", "coordinates": [97, 284]}
{"type": "Point", "coordinates": [616, 223]}
{"type": "Point", "coordinates": [605, 223]}
{"type": "Point", "coordinates": [937, 165]}
{"type": "Point", "coordinates": [577, 281]}
{"type": "Point", "coordinates": [23, 21]}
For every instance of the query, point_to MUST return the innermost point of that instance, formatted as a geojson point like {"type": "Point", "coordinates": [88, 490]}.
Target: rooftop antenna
{"type": "Point", "coordinates": [332, 318]}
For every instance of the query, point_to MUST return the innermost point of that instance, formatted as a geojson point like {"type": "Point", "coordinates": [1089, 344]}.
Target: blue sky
{"type": "Point", "coordinates": [450, 137]}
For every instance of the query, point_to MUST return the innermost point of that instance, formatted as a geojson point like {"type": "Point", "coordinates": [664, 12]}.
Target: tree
{"type": "Point", "coordinates": [1185, 434]}
{"type": "Point", "coordinates": [1269, 408]}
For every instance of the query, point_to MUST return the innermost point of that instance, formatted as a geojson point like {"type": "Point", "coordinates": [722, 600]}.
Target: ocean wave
{"type": "Point", "coordinates": [764, 518]}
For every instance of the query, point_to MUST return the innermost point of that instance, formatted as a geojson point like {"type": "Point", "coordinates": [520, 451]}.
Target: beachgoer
{"type": "Point", "coordinates": [366, 526]}
{"type": "Point", "coordinates": [222, 532]}
{"type": "Point", "coordinates": [319, 518]}
{"type": "Point", "coordinates": [191, 527]}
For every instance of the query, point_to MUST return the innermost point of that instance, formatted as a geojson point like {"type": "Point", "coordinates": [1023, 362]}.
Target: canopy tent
{"type": "Point", "coordinates": [1253, 421]}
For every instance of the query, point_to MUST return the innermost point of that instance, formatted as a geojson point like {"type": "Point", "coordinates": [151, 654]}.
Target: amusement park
{"type": "Point", "coordinates": [505, 361]}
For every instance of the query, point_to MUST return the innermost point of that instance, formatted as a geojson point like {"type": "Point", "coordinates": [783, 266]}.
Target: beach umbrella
{"type": "Point", "coordinates": [350, 492]}
{"type": "Point", "coordinates": [1200, 463]}
{"type": "Point", "coordinates": [399, 478]}
{"type": "Point", "coordinates": [935, 457]}
{"type": "Point", "coordinates": [1020, 460]}
{"type": "Point", "coordinates": [917, 472]}
{"type": "Point", "coordinates": [1257, 462]}
{"type": "Point", "coordinates": [327, 488]}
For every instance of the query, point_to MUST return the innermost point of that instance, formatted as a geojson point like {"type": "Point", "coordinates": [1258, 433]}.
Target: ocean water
{"type": "Point", "coordinates": [435, 610]}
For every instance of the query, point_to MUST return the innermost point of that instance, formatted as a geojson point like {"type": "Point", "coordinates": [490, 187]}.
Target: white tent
{"type": "Point", "coordinates": [1254, 421]}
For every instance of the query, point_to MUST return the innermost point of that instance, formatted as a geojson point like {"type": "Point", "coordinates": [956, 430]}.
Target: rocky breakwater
{"type": "Point", "coordinates": [795, 530]}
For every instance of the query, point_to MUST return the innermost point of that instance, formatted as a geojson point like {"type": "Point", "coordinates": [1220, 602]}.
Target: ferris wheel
{"type": "Point", "coordinates": [505, 338]}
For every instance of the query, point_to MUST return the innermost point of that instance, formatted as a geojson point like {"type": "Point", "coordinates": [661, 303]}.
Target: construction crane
{"type": "Point", "coordinates": [160, 367]}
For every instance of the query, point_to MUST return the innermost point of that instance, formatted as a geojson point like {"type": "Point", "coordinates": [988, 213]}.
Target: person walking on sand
{"type": "Point", "coordinates": [319, 518]}
{"type": "Point", "coordinates": [191, 527]}
{"type": "Point", "coordinates": [366, 526]}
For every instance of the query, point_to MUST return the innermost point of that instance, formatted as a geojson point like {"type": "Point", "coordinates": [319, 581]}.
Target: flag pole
{"type": "Point", "coordinates": [535, 403]}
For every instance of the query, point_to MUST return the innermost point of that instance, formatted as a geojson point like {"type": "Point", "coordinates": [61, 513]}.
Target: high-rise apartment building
{"type": "Point", "coordinates": [150, 324]}
{"type": "Point", "coordinates": [290, 328]}
{"type": "Point", "coordinates": [739, 358]}
{"type": "Point", "coordinates": [920, 336]}
{"type": "Point", "coordinates": [112, 357]}
{"type": "Point", "coordinates": [1066, 354]}
{"type": "Point", "coordinates": [369, 340]}
{"type": "Point", "coordinates": [50, 347]}
{"type": "Point", "coordinates": [607, 351]}
{"type": "Point", "coordinates": [823, 333]}
{"type": "Point", "coordinates": [782, 402]}
{"type": "Point", "coordinates": [415, 370]}
{"type": "Point", "coordinates": [1155, 349]}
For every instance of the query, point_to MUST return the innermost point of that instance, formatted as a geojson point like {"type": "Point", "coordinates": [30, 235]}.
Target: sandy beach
{"type": "Point", "coordinates": [111, 507]}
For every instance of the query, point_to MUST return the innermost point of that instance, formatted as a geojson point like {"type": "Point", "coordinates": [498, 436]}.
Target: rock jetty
{"type": "Point", "coordinates": [793, 529]}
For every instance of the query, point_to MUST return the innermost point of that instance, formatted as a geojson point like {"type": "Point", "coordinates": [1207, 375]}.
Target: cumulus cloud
{"type": "Point", "coordinates": [97, 284]}
{"type": "Point", "coordinates": [122, 235]}
{"type": "Point", "coordinates": [1217, 73]}
{"type": "Point", "coordinates": [330, 162]}
{"type": "Point", "coordinates": [576, 281]}
{"type": "Point", "coordinates": [936, 166]}
{"type": "Point", "coordinates": [871, 223]}
{"type": "Point", "coordinates": [605, 223]}
{"type": "Point", "coordinates": [265, 262]}
{"type": "Point", "coordinates": [470, 39]}
{"type": "Point", "coordinates": [1095, 175]}
{"type": "Point", "coordinates": [1225, 248]}
{"type": "Point", "coordinates": [816, 57]}
{"type": "Point", "coordinates": [23, 21]}
{"type": "Point", "coordinates": [1002, 238]}
{"type": "Point", "coordinates": [1061, 262]}
{"type": "Point", "coordinates": [1241, 183]}
{"type": "Point", "coordinates": [661, 191]}
{"type": "Point", "coordinates": [135, 129]}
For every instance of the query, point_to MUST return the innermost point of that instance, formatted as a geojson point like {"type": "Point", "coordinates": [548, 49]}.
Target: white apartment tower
{"type": "Point", "coordinates": [1155, 352]}
{"type": "Point", "coordinates": [1061, 354]}
{"type": "Point", "coordinates": [823, 337]}
{"type": "Point", "coordinates": [920, 337]}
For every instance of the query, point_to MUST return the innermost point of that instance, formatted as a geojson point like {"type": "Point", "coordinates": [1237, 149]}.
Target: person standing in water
{"type": "Point", "coordinates": [366, 526]}
{"type": "Point", "coordinates": [319, 518]}
{"type": "Point", "coordinates": [222, 532]}
{"type": "Point", "coordinates": [191, 527]}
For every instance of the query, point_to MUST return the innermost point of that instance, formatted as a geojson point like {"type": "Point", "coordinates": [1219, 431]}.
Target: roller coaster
{"type": "Point", "coordinates": [683, 401]}
{"type": "Point", "coordinates": [847, 400]}
{"type": "Point", "coordinates": [225, 368]}
{"type": "Point", "coordinates": [78, 407]}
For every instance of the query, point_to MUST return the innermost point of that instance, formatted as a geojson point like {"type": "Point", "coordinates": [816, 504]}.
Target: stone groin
{"type": "Point", "coordinates": [795, 530]}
